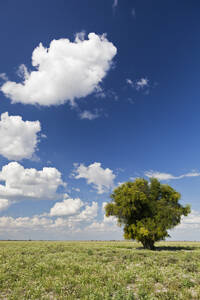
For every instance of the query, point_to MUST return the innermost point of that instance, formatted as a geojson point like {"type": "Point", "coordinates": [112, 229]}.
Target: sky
{"type": "Point", "coordinates": [94, 94]}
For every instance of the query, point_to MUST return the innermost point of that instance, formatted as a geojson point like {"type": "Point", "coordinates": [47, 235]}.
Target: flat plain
{"type": "Point", "coordinates": [99, 270]}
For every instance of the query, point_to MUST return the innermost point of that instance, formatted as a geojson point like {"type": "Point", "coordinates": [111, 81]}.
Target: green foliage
{"type": "Point", "coordinates": [147, 210]}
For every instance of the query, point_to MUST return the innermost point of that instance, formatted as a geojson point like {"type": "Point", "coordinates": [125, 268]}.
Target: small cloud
{"type": "Point", "coordinates": [3, 76]}
{"type": "Point", "coordinates": [80, 36]}
{"type": "Point", "coordinates": [76, 190]}
{"type": "Point", "coordinates": [119, 170]}
{"type": "Point", "coordinates": [35, 158]}
{"type": "Point", "coordinates": [120, 183]}
{"type": "Point", "coordinates": [130, 82]}
{"type": "Point", "coordinates": [130, 100]}
{"type": "Point", "coordinates": [22, 72]}
{"type": "Point", "coordinates": [133, 13]}
{"type": "Point", "coordinates": [100, 94]}
{"type": "Point", "coordinates": [106, 94]}
{"type": "Point", "coordinates": [43, 136]}
{"type": "Point", "coordinates": [112, 94]}
{"type": "Point", "coordinates": [141, 84]}
{"type": "Point", "coordinates": [4, 204]}
{"type": "Point", "coordinates": [86, 114]}
{"type": "Point", "coordinates": [115, 3]}
{"type": "Point", "coordinates": [168, 176]}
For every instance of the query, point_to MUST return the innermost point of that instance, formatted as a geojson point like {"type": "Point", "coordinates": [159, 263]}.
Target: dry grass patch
{"type": "Point", "coordinates": [99, 270]}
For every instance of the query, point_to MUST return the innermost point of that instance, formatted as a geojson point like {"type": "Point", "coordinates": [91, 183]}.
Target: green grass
{"type": "Point", "coordinates": [99, 270]}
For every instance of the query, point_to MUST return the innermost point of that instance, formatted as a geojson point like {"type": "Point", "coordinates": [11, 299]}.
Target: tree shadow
{"type": "Point", "coordinates": [174, 248]}
{"type": "Point", "coordinates": [171, 248]}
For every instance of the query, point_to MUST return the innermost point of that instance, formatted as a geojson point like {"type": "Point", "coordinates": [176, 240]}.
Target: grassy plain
{"type": "Point", "coordinates": [99, 270]}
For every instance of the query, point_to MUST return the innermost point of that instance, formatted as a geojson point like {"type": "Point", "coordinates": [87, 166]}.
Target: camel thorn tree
{"type": "Point", "coordinates": [146, 210]}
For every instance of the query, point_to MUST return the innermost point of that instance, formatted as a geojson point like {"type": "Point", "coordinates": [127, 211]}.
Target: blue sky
{"type": "Point", "coordinates": [95, 93]}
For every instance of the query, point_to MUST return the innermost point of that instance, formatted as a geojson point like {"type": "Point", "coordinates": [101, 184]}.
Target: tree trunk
{"type": "Point", "coordinates": [148, 244]}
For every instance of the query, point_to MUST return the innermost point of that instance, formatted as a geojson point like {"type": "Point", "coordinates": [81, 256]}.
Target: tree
{"type": "Point", "coordinates": [146, 209]}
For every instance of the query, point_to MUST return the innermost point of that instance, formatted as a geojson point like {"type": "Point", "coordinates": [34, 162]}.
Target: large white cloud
{"type": "Point", "coordinates": [64, 71]}
{"type": "Point", "coordinates": [102, 179]}
{"type": "Point", "coordinates": [21, 183]}
{"type": "Point", "coordinates": [70, 208]}
{"type": "Point", "coordinates": [18, 138]}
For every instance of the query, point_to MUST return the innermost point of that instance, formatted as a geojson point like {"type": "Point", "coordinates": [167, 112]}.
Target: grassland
{"type": "Point", "coordinates": [99, 270]}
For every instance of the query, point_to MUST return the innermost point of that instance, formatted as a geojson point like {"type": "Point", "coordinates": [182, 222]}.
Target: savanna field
{"type": "Point", "coordinates": [99, 270]}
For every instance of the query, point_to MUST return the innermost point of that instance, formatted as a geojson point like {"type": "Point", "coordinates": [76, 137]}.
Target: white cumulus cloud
{"type": "Point", "coordinates": [67, 207]}
{"type": "Point", "coordinates": [21, 183]}
{"type": "Point", "coordinates": [168, 176]}
{"type": "Point", "coordinates": [14, 224]}
{"type": "Point", "coordinates": [63, 72]}
{"type": "Point", "coordinates": [70, 208]}
{"type": "Point", "coordinates": [89, 213]}
{"type": "Point", "coordinates": [18, 138]}
{"type": "Point", "coordinates": [102, 227]}
{"type": "Point", "coordinates": [83, 222]}
{"type": "Point", "coordinates": [102, 179]}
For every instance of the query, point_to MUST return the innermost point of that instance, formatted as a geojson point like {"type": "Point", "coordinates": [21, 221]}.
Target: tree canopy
{"type": "Point", "coordinates": [146, 210]}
